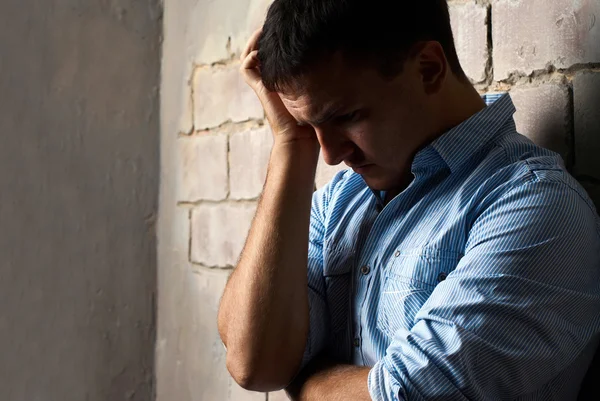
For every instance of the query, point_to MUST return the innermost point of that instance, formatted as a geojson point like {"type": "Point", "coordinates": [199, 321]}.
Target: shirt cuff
{"type": "Point", "coordinates": [383, 386]}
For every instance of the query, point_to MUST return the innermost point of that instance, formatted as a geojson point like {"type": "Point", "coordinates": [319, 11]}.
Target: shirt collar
{"type": "Point", "coordinates": [457, 145]}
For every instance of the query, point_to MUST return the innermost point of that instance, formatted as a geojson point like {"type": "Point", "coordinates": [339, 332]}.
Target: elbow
{"type": "Point", "coordinates": [263, 377]}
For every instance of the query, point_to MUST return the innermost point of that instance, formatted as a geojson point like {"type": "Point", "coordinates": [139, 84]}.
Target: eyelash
{"type": "Point", "coordinates": [348, 117]}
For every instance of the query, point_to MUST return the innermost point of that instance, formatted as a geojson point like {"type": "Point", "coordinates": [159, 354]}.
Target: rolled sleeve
{"type": "Point", "coordinates": [383, 385]}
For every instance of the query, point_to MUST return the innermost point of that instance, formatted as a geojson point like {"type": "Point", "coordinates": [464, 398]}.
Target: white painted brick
{"type": "Point", "coordinates": [219, 232]}
{"type": "Point", "coordinates": [249, 154]}
{"type": "Point", "coordinates": [217, 29]}
{"type": "Point", "coordinates": [203, 171]}
{"type": "Point", "coordinates": [190, 355]}
{"type": "Point", "coordinates": [529, 34]}
{"type": "Point", "coordinates": [543, 116]}
{"type": "Point", "coordinates": [469, 28]}
{"type": "Point", "coordinates": [220, 95]}
{"type": "Point", "coordinates": [586, 93]}
{"type": "Point", "coordinates": [326, 172]}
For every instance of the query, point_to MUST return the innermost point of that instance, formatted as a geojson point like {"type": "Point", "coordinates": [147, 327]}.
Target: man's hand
{"type": "Point", "coordinates": [325, 380]}
{"type": "Point", "coordinates": [284, 126]}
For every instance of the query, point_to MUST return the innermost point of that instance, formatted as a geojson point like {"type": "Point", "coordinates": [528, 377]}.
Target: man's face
{"type": "Point", "coordinates": [374, 125]}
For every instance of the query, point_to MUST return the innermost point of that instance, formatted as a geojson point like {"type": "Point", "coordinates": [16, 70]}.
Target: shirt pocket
{"type": "Point", "coordinates": [410, 278]}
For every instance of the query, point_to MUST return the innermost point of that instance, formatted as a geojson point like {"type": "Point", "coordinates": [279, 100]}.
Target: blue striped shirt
{"type": "Point", "coordinates": [481, 280]}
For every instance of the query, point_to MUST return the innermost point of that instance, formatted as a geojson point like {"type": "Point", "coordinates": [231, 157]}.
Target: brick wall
{"type": "Point", "coordinates": [216, 144]}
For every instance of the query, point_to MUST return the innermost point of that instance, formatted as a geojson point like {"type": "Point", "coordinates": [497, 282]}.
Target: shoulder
{"type": "Point", "coordinates": [516, 167]}
{"type": "Point", "coordinates": [534, 200]}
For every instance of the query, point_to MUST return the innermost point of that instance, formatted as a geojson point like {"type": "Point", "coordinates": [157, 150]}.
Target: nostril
{"type": "Point", "coordinates": [330, 159]}
{"type": "Point", "coordinates": [334, 148]}
{"type": "Point", "coordinates": [333, 157]}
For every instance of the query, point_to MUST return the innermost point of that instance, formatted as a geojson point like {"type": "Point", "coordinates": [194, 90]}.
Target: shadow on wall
{"type": "Point", "coordinates": [563, 116]}
{"type": "Point", "coordinates": [565, 120]}
{"type": "Point", "coordinates": [586, 98]}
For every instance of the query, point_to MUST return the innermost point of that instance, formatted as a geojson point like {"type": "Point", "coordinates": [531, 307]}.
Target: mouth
{"type": "Point", "coordinates": [362, 170]}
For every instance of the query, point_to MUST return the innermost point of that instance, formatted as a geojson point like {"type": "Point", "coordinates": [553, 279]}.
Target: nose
{"type": "Point", "coordinates": [335, 146]}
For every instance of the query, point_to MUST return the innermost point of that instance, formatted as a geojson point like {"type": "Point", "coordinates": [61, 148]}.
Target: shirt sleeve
{"type": "Point", "coordinates": [317, 301]}
{"type": "Point", "coordinates": [519, 308]}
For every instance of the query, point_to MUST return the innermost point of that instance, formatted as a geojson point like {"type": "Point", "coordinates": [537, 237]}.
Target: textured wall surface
{"type": "Point", "coordinates": [215, 147]}
{"type": "Point", "coordinates": [208, 118]}
{"type": "Point", "coordinates": [78, 195]}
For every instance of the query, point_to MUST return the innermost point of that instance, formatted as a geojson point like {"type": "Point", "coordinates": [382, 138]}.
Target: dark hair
{"type": "Point", "coordinates": [298, 34]}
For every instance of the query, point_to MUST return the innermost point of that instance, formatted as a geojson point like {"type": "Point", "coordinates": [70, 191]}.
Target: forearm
{"type": "Point", "coordinates": [263, 318]}
{"type": "Point", "coordinates": [326, 381]}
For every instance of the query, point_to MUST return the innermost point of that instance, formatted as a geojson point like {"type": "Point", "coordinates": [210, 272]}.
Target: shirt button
{"type": "Point", "coordinates": [442, 276]}
{"type": "Point", "coordinates": [397, 254]}
{"type": "Point", "coordinates": [365, 270]}
{"type": "Point", "coordinates": [357, 342]}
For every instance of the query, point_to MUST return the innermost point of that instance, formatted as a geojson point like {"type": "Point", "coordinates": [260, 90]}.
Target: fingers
{"type": "Point", "coordinates": [249, 69]}
{"type": "Point", "coordinates": [250, 61]}
{"type": "Point", "coordinates": [279, 118]}
{"type": "Point", "coordinates": [251, 45]}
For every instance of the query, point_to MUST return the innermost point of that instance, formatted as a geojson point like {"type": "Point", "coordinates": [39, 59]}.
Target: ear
{"type": "Point", "coordinates": [431, 64]}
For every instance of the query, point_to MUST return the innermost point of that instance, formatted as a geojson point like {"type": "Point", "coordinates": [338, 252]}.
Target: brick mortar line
{"type": "Point", "coordinates": [227, 128]}
{"type": "Point", "coordinates": [189, 250]}
{"type": "Point", "coordinates": [489, 66]}
{"type": "Point", "coordinates": [514, 77]}
{"type": "Point", "coordinates": [199, 267]}
{"type": "Point", "coordinates": [571, 160]}
{"type": "Point", "coordinates": [537, 78]}
{"type": "Point", "coordinates": [227, 201]}
{"type": "Point", "coordinates": [234, 60]}
{"type": "Point", "coordinates": [228, 173]}
{"type": "Point", "coordinates": [192, 99]}
{"type": "Point", "coordinates": [478, 2]}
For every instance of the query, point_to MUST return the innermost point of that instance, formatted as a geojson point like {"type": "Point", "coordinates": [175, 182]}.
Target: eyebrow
{"type": "Point", "coordinates": [324, 116]}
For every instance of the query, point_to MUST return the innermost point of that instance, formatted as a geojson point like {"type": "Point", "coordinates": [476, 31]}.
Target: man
{"type": "Point", "coordinates": [455, 259]}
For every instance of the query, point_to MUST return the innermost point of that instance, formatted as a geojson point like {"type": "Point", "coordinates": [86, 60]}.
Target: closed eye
{"type": "Point", "coordinates": [346, 118]}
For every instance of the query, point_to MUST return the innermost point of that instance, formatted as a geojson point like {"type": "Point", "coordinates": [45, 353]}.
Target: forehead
{"type": "Point", "coordinates": [329, 85]}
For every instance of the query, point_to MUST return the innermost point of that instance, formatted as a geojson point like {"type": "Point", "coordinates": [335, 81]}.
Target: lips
{"type": "Point", "coordinates": [362, 169]}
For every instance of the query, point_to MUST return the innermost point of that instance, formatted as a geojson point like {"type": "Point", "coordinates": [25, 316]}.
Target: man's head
{"type": "Point", "coordinates": [370, 76]}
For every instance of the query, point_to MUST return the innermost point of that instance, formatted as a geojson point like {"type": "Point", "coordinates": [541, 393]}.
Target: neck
{"type": "Point", "coordinates": [459, 104]}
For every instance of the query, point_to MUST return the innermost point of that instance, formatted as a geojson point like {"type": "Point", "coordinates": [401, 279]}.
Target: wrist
{"type": "Point", "coordinates": [301, 155]}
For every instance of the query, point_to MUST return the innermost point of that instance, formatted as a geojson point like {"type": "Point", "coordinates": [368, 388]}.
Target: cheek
{"type": "Point", "coordinates": [372, 139]}
{"type": "Point", "coordinates": [363, 136]}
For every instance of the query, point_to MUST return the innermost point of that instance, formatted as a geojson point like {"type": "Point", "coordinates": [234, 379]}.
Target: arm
{"type": "Point", "coordinates": [517, 311]}
{"type": "Point", "coordinates": [324, 380]}
{"type": "Point", "coordinates": [264, 312]}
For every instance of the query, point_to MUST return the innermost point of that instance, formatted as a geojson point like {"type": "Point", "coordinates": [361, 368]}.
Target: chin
{"type": "Point", "coordinates": [378, 183]}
